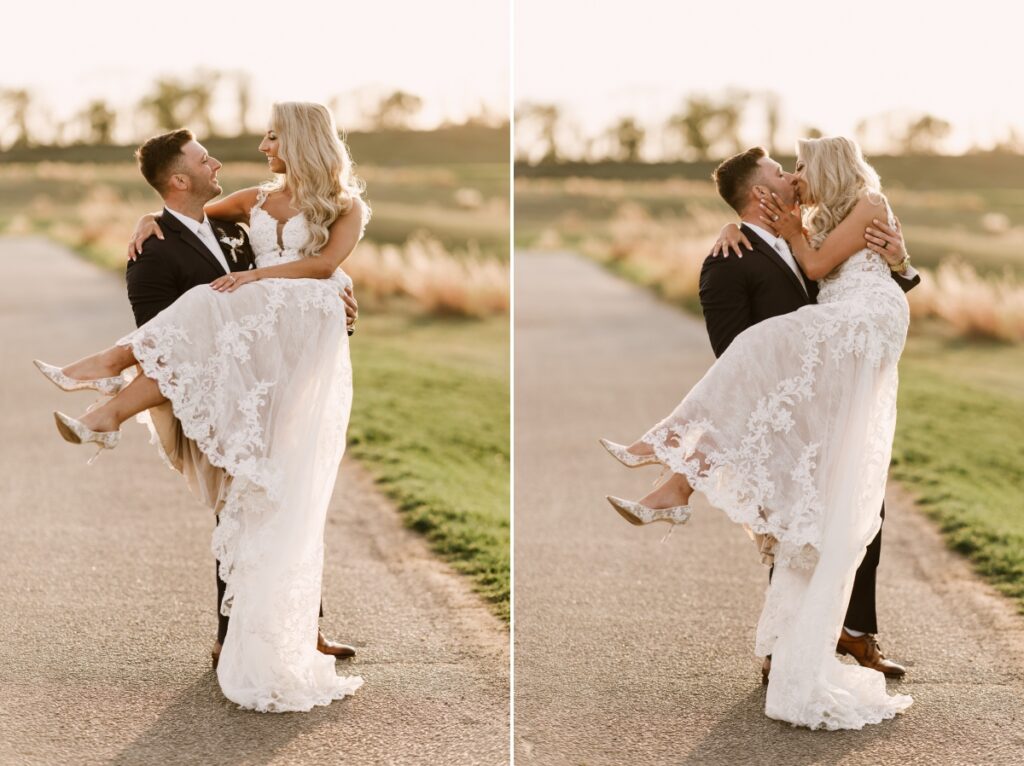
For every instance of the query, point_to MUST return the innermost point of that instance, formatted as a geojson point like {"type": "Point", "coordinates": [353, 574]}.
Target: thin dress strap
{"type": "Point", "coordinates": [261, 196]}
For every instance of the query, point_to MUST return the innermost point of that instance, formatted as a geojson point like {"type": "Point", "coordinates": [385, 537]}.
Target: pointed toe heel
{"type": "Point", "coordinates": [639, 514]}
{"type": "Point", "coordinates": [76, 432]}
{"type": "Point", "coordinates": [621, 453]}
{"type": "Point", "coordinates": [106, 386]}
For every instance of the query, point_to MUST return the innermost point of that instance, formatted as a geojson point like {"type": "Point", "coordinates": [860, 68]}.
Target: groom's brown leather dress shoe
{"type": "Point", "coordinates": [766, 668]}
{"type": "Point", "coordinates": [865, 650]}
{"type": "Point", "coordinates": [325, 646]}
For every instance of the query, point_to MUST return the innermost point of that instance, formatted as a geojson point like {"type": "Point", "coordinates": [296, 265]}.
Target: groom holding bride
{"type": "Point", "coordinates": [790, 432]}
{"type": "Point", "coordinates": [245, 380]}
{"type": "Point", "coordinates": [195, 250]}
{"type": "Point", "coordinates": [738, 292]}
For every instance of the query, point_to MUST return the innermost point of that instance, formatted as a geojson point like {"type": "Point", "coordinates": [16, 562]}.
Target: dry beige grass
{"type": "Point", "coordinates": [973, 306]}
{"type": "Point", "coordinates": [663, 253]}
{"type": "Point", "coordinates": [666, 254]}
{"type": "Point", "coordinates": [441, 283]}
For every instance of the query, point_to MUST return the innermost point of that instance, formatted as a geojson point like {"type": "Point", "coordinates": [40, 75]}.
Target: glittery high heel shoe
{"type": "Point", "coordinates": [107, 386]}
{"type": "Point", "coordinates": [621, 453]}
{"type": "Point", "coordinates": [76, 432]}
{"type": "Point", "coordinates": [639, 514]}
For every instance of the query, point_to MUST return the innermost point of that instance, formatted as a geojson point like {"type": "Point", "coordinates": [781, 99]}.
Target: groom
{"type": "Point", "coordinates": [737, 292]}
{"type": "Point", "coordinates": [194, 250]}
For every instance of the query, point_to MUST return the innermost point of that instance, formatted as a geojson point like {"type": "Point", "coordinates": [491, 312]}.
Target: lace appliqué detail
{"type": "Point", "coordinates": [863, 315]}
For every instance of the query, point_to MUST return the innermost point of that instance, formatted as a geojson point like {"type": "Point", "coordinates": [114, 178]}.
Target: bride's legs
{"type": "Point", "coordinates": [675, 491]}
{"type": "Point", "coordinates": [141, 394]}
{"type": "Point", "coordinates": [104, 364]}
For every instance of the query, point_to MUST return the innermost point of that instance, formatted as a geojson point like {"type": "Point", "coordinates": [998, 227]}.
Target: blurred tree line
{"type": "Point", "coordinates": [172, 102]}
{"type": "Point", "coordinates": [705, 127]}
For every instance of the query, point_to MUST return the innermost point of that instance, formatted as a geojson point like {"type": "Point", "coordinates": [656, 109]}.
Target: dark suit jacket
{"type": "Point", "coordinates": [737, 293]}
{"type": "Point", "coordinates": [168, 268]}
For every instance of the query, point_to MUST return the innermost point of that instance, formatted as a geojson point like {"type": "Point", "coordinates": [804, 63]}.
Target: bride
{"type": "Point", "coordinates": [256, 368]}
{"type": "Point", "coordinates": [790, 433]}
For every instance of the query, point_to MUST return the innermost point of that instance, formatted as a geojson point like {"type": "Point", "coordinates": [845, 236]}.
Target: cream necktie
{"type": "Point", "coordinates": [205, 232]}
{"type": "Point", "coordinates": [783, 249]}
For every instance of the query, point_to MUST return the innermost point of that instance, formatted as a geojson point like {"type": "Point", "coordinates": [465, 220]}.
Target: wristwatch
{"type": "Point", "coordinates": [902, 266]}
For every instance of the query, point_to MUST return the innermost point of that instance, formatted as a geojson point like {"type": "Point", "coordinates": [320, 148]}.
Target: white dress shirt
{"type": "Point", "coordinates": [205, 233]}
{"type": "Point", "coordinates": [780, 246]}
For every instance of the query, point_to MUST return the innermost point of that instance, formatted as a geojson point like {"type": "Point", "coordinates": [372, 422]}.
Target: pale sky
{"type": "Point", "coordinates": [452, 53]}
{"type": "Point", "coordinates": [832, 63]}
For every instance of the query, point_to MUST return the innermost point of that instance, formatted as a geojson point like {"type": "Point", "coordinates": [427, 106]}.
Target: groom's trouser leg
{"type": "Point", "coordinates": [222, 619]}
{"type": "Point", "coordinates": [861, 614]}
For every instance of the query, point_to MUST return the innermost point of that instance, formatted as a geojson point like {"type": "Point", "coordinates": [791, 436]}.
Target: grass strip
{"type": "Point", "coordinates": [960, 449]}
{"type": "Point", "coordinates": [430, 421]}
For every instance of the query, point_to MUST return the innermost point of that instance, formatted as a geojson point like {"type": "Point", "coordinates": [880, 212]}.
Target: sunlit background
{"type": "Point", "coordinates": [234, 59]}
{"type": "Point", "coordinates": [758, 73]}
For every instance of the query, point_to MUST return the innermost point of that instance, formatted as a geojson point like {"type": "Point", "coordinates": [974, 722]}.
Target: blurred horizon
{"type": "Point", "coordinates": [656, 84]}
{"type": "Point", "coordinates": [372, 65]}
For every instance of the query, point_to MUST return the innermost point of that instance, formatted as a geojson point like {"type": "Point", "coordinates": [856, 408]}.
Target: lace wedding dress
{"type": "Point", "coordinates": [790, 433]}
{"type": "Point", "coordinates": [260, 384]}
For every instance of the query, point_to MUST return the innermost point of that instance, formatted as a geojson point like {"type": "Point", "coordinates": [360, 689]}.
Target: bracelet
{"type": "Point", "coordinates": [901, 267]}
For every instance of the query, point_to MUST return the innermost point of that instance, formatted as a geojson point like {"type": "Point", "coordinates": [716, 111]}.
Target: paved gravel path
{"type": "Point", "coordinates": [107, 588]}
{"type": "Point", "coordinates": [630, 651]}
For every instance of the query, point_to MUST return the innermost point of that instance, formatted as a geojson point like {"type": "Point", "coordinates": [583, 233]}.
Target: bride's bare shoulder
{"type": "Point", "coordinates": [870, 204]}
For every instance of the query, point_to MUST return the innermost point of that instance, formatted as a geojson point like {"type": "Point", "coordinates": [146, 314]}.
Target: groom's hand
{"type": "Point", "coordinates": [351, 309]}
{"type": "Point", "coordinates": [887, 242]}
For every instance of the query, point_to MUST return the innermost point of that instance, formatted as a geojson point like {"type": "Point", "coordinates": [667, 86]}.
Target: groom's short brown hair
{"type": "Point", "coordinates": [158, 156]}
{"type": "Point", "coordinates": [734, 176]}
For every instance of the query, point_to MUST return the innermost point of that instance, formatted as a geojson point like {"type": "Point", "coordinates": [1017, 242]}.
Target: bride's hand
{"type": "Point", "coordinates": [231, 282]}
{"type": "Point", "coordinates": [730, 237]}
{"type": "Point", "coordinates": [144, 229]}
{"type": "Point", "coordinates": [785, 222]}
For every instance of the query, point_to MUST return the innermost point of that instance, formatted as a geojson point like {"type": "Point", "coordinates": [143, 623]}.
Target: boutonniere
{"type": "Point", "coordinates": [233, 244]}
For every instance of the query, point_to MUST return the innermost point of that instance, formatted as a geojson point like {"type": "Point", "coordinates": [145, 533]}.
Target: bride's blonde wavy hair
{"type": "Point", "coordinates": [836, 175]}
{"type": "Point", "coordinates": [319, 172]}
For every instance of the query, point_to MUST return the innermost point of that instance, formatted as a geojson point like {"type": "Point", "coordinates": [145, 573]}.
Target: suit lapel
{"type": "Point", "coordinates": [772, 255]}
{"type": "Point", "coordinates": [169, 221]}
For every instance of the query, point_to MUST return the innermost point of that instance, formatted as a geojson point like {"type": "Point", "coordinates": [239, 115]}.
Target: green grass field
{"type": "Point", "coordinates": [960, 449]}
{"type": "Point", "coordinates": [431, 421]}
